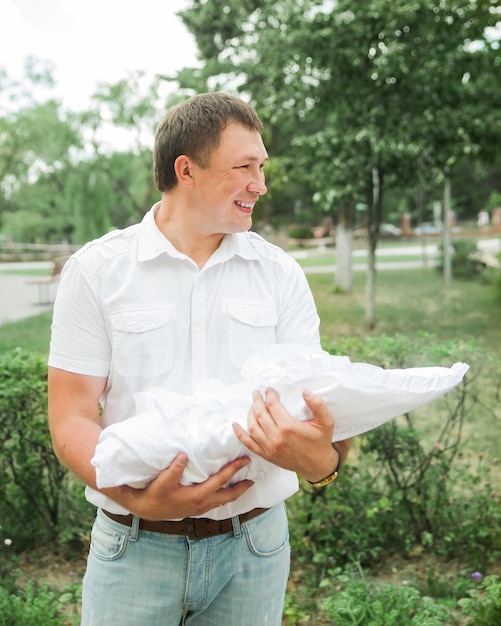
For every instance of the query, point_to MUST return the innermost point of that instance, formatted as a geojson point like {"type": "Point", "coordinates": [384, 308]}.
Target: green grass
{"type": "Point", "coordinates": [26, 272]}
{"type": "Point", "coordinates": [32, 334]}
{"type": "Point", "coordinates": [409, 301]}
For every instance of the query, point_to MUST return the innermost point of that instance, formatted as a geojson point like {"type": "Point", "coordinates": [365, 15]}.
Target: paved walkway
{"type": "Point", "coordinates": [19, 299]}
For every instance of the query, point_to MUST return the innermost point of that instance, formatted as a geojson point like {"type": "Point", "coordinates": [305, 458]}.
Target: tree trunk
{"type": "Point", "coordinates": [343, 278]}
{"type": "Point", "coordinates": [446, 241]}
{"type": "Point", "coordinates": [374, 212]}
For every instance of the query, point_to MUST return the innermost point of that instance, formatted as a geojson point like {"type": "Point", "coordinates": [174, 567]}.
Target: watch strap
{"type": "Point", "coordinates": [331, 477]}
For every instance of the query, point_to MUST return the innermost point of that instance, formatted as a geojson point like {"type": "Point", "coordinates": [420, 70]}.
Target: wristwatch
{"type": "Point", "coordinates": [331, 477]}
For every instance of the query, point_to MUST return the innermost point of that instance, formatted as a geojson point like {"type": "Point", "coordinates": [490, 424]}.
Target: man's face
{"type": "Point", "coordinates": [225, 193]}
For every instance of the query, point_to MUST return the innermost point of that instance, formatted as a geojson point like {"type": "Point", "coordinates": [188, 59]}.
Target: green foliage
{"type": "Point", "coordinates": [407, 487]}
{"type": "Point", "coordinates": [35, 487]}
{"type": "Point", "coordinates": [33, 478]}
{"type": "Point", "coordinates": [484, 604]}
{"type": "Point", "coordinates": [495, 276]}
{"type": "Point", "coordinates": [356, 86]}
{"type": "Point", "coordinates": [465, 260]}
{"type": "Point", "coordinates": [71, 598]}
{"type": "Point", "coordinates": [32, 333]}
{"type": "Point", "coordinates": [8, 563]}
{"type": "Point", "coordinates": [493, 201]}
{"type": "Point", "coordinates": [356, 602]}
{"type": "Point", "coordinates": [300, 232]}
{"type": "Point", "coordinates": [292, 613]}
{"type": "Point", "coordinates": [29, 607]}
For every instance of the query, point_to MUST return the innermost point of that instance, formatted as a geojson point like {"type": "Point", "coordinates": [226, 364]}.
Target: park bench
{"type": "Point", "coordinates": [487, 259]}
{"type": "Point", "coordinates": [44, 283]}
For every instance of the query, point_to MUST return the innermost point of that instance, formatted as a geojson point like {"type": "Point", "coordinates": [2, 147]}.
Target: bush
{"type": "Point", "coordinates": [358, 602]}
{"type": "Point", "coordinates": [34, 485]}
{"type": "Point", "coordinates": [31, 607]}
{"type": "Point", "coordinates": [465, 261]}
{"type": "Point", "coordinates": [484, 605]}
{"type": "Point", "coordinates": [407, 487]}
{"type": "Point", "coordinates": [300, 232]}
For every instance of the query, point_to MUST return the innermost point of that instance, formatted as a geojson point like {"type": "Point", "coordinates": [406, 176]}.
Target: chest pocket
{"type": "Point", "coordinates": [250, 325]}
{"type": "Point", "coordinates": [142, 341]}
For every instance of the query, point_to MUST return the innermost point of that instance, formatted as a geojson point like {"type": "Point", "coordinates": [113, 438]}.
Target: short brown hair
{"type": "Point", "coordinates": [194, 128]}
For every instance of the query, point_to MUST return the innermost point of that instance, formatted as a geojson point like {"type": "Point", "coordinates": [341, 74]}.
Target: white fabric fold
{"type": "Point", "coordinates": [361, 397]}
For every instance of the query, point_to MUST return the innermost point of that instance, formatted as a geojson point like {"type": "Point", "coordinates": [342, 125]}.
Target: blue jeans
{"type": "Point", "coordinates": [141, 578]}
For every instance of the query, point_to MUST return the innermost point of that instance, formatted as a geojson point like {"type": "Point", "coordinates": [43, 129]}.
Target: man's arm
{"type": "Point", "coordinates": [301, 446]}
{"type": "Point", "coordinates": [75, 429]}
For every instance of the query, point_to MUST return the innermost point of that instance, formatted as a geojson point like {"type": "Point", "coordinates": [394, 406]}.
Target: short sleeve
{"type": "Point", "coordinates": [79, 338]}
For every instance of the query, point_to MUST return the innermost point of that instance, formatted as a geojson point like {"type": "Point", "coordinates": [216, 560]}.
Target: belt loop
{"type": "Point", "coordinates": [237, 528]}
{"type": "Point", "coordinates": [134, 531]}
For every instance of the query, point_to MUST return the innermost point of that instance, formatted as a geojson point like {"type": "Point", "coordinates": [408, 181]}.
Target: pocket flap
{"type": "Point", "coordinates": [141, 321]}
{"type": "Point", "coordinates": [253, 314]}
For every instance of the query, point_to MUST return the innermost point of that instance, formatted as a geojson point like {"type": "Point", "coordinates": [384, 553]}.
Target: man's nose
{"type": "Point", "coordinates": [258, 186]}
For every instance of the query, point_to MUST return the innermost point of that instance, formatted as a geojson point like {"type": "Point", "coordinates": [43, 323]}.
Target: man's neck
{"type": "Point", "coordinates": [184, 236]}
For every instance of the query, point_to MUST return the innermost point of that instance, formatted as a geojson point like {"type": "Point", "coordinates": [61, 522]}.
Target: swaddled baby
{"type": "Point", "coordinates": [359, 395]}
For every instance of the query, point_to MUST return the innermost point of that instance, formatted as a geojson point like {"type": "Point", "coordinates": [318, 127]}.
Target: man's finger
{"type": "Point", "coordinates": [244, 438]}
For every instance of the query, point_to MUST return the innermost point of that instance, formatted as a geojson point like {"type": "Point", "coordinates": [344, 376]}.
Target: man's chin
{"type": "Point", "coordinates": [243, 227]}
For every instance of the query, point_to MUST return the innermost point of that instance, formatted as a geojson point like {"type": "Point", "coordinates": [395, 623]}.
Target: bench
{"type": "Point", "coordinates": [487, 259]}
{"type": "Point", "coordinates": [44, 282]}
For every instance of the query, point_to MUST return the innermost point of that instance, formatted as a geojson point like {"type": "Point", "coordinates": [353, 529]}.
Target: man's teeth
{"type": "Point", "coordinates": [245, 205]}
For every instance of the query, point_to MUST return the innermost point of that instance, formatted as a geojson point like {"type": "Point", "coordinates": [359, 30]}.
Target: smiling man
{"type": "Point", "coordinates": [183, 297]}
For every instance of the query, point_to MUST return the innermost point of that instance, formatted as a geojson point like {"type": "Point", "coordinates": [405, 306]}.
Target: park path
{"type": "Point", "coordinates": [19, 299]}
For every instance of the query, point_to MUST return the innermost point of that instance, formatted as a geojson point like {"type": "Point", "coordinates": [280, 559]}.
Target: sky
{"type": "Point", "coordinates": [92, 41]}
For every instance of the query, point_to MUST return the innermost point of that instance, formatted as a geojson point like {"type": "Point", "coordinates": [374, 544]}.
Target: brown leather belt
{"type": "Point", "coordinates": [192, 527]}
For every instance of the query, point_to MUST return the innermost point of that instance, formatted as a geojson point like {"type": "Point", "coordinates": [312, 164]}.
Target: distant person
{"type": "Point", "coordinates": [483, 220]}
{"type": "Point", "coordinates": [181, 298]}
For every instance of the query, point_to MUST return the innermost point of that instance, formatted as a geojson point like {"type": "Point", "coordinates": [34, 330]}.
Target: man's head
{"type": "Point", "coordinates": [193, 128]}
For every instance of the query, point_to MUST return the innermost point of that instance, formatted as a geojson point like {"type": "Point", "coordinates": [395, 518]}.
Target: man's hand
{"type": "Point", "coordinates": [301, 446]}
{"type": "Point", "coordinates": [165, 498]}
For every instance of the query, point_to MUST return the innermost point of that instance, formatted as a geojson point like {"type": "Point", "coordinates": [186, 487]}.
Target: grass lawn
{"type": "Point", "coordinates": [26, 272]}
{"type": "Point", "coordinates": [409, 301]}
{"type": "Point", "coordinates": [32, 333]}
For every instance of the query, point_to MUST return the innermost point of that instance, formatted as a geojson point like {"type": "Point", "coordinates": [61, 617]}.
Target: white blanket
{"type": "Point", "coordinates": [360, 396]}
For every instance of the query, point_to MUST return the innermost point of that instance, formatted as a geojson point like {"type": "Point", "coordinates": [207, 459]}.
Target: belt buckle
{"type": "Point", "coordinates": [192, 528]}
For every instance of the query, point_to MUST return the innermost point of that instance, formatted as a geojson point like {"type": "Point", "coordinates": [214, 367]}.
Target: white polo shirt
{"type": "Point", "coordinates": [132, 308]}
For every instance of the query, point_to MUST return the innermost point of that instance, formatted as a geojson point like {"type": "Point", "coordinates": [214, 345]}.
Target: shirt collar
{"type": "Point", "coordinates": [152, 243]}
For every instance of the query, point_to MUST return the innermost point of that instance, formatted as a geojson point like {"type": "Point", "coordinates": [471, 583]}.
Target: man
{"type": "Point", "coordinates": [180, 298]}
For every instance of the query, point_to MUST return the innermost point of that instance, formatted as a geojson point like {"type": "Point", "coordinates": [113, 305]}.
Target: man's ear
{"type": "Point", "coordinates": [183, 168]}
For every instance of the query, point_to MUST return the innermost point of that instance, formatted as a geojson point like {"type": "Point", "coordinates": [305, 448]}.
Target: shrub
{"type": "Point", "coordinates": [34, 485]}
{"type": "Point", "coordinates": [484, 605]}
{"type": "Point", "coordinates": [31, 607]}
{"type": "Point", "coordinates": [465, 261]}
{"type": "Point", "coordinates": [405, 489]}
{"type": "Point", "coordinates": [358, 602]}
{"type": "Point", "coordinates": [300, 232]}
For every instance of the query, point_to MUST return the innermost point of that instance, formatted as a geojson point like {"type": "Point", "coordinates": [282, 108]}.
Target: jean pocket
{"type": "Point", "coordinates": [268, 534]}
{"type": "Point", "coordinates": [107, 543]}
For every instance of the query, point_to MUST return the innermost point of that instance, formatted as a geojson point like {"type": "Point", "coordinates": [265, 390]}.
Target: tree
{"type": "Point", "coordinates": [388, 86]}
{"type": "Point", "coordinates": [59, 177]}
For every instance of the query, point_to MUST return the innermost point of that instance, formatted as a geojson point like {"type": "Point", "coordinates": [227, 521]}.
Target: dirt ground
{"type": "Point", "coordinates": [418, 570]}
